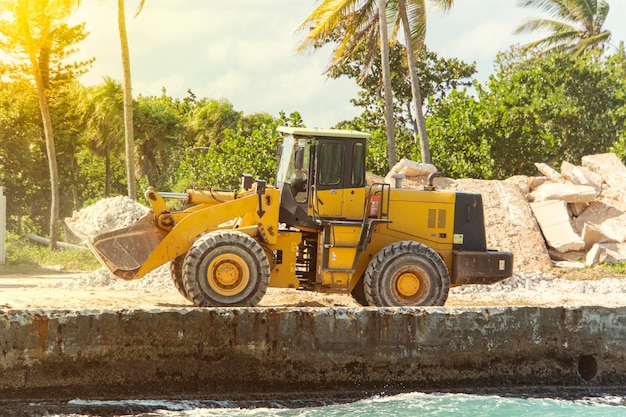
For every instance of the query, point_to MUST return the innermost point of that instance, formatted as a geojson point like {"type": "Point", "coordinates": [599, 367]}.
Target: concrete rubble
{"type": "Point", "coordinates": [553, 220]}
{"type": "Point", "coordinates": [574, 217]}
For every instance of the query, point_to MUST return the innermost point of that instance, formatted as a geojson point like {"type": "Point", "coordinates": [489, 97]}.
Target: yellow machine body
{"type": "Point", "coordinates": [320, 227]}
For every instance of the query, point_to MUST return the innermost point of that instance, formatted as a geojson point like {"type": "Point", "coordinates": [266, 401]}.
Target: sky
{"type": "Point", "coordinates": [245, 51]}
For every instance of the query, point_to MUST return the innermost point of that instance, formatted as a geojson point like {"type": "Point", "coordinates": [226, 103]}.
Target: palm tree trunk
{"type": "Point", "coordinates": [52, 159]}
{"type": "Point", "coordinates": [415, 86]}
{"type": "Point", "coordinates": [128, 103]}
{"type": "Point", "coordinates": [386, 70]}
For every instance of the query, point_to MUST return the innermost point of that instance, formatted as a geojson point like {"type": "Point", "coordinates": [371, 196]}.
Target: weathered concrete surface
{"type": "Point", "coordinates": [60, 354]}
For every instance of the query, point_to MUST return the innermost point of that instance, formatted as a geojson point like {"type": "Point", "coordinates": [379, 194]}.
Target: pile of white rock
{"type": "Point", "coordinates": [103, 216]}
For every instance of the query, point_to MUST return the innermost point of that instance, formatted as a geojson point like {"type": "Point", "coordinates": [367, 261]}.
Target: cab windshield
{"type": "Point", "coordinates": [286, 162]}
{"type": "Point", "coordinates": [294, 165]}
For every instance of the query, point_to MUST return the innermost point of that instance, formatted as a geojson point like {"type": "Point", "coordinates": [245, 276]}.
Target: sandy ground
{"type": "Point", "coordinates": [63, 291]}
{"type": "Point", "coordinates": [76, 291]}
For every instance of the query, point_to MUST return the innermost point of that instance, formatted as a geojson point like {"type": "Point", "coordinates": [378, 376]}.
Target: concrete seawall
{"type": "Point", "coordinates": [91, 354]}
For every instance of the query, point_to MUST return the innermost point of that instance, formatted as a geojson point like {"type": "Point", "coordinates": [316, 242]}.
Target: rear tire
{"type": "Point", "coordinates": [406, 273]}
{"type": "Point", "coordinates": [176, 272]}
{"type": "Point", "coordinates": [226, 268]}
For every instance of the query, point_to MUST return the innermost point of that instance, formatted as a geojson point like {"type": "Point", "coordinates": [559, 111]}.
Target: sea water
{"type": "Point", "coordinates": [401, 405]}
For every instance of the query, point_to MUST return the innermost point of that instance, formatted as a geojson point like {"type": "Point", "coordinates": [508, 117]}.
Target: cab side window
{"type": "Point", "coordinates": [358, 165]}
{"type": "Point", "coordinates": [330, 164]}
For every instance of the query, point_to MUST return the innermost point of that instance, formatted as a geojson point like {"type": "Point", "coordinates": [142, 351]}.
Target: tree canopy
{"type": "Point", "coordinates": [551, 109]}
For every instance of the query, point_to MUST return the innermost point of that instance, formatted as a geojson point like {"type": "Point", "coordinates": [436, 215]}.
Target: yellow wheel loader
{"type": "Point", "coordinates": [319, 228]}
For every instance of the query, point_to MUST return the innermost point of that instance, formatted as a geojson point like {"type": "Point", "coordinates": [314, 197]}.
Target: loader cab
{"type": "Point", "coordinates": [321, 175]}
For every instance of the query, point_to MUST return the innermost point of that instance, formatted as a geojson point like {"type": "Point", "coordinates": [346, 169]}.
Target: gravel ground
{"type": "Point", "coordinates": [98, 291]}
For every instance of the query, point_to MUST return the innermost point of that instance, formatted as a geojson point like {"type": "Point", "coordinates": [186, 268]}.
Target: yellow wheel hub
{"type": "Point", "coordinates": [408, 285]}
{"type": "Point", "coordinates": [228, 274]}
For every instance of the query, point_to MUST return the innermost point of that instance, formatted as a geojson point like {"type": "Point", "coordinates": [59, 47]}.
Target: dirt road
{"type": "Point", "coordinates": [80, 291]}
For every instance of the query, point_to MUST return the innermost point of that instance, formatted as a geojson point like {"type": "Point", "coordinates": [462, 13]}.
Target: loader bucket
{"type": "Point", "coordinates": [124, 251]}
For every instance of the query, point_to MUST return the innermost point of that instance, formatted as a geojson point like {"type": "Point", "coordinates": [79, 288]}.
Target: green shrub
{"type": "Point", "coordinates": [23, 256]}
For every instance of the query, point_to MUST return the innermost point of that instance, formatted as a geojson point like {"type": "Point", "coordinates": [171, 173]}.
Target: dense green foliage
{"type": "Point", "coordinates": [23, 167]}
{"type": "Point", "coordinates": [549, 109]}
{"type": "Point", "coordinates": [38, 38]}
{"type": "Point", "coordinates": [248, 148]}
{"type": "Point", "coordinates": [179, 144]}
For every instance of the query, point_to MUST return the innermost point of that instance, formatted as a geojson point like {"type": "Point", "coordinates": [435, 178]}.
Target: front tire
{"type": "Point", "coordinates": [406, 273]}
{"type": "Point", "coordinates": [226, 268]}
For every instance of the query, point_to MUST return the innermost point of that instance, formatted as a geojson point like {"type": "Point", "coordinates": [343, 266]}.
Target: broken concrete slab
{"type": "Point", "coordinates": [592, 235]}
{"type": "Point", "coordinates": [615, 228]}
{"type": "Point", "coordinates": [596, 255]}
{"type": "Point", "coordinates": [565, 191]}
{"type": "Point", "coordinates": [548, 171]}
{"type": "Point", "coordinates": [616, 252]}
{"type": "Point", "coordinates": [611, 168]}
{"type": "Point", "coordinates": [554, 222]}
{"type": "Point", "coordinates": [581, 176]}
{"type": "Point", "coordinates": [571, 256]}
{"type": "Point", "coordinates": [598, 211]}
{"type": "Point", "coordinates": [409, 168]}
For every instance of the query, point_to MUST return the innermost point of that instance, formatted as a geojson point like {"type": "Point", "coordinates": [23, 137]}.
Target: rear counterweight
{"type": "Point", "coordinates": [469, 223]}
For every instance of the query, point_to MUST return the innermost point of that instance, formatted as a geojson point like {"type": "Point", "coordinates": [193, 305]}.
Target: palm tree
{"type": "Point", "coordinates": [575, 26]}
{"type": "Point", "coordinates": [31, 31]}
{"type": "Point", "coordinates": [355, 19]}
{"type": "Point", "coordinates": [412, 15]}
{"type": "Point", "coordinates": [128, 98]}
{"type": "Point", "coordinates": [104, 121]}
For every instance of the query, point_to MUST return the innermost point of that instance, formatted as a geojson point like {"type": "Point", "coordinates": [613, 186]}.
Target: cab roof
{"type": "Point", "coordinates": [332, 133]}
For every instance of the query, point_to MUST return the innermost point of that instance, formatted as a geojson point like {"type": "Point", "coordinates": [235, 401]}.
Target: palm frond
{"type": "Point", "coordinates": [324, 20]}
{"type": "Point", "coordinates": [416, 14]}
{"type": "Point", "coordinates": [590, 43]}
{"type": "Point", "coordinates": [139, 7]}
{"type": "Point", "coordinates": [444, 5]}
{"type": "Point", "coordinates": [416, 11]}
{"type": "Point", "coordinates": [574, 25]}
